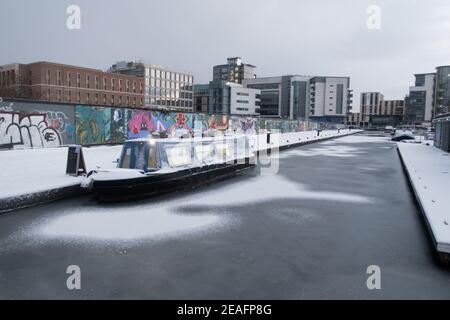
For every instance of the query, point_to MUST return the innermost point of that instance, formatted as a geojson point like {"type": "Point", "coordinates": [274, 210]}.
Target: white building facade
{"type": "Point", "coordinates": [331, 99]}
{"type": "Point", "coordinates": [422, 97]}
{"type": "Point", "coordinates": [244, 101]}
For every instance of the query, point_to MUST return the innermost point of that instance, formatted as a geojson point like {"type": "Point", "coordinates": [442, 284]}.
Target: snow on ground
{"type": "Point", "coordinates": [429, 170]}
{"type": "Point", "coordinates": [117, 224]}
{"type": "Point", "coordinates": [204, 211]}
{"type": "Point", "coordinates": [33, 170]}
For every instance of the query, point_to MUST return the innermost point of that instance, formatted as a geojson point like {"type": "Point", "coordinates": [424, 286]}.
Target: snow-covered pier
{"type": "Point", "coordinates": [428, 170]}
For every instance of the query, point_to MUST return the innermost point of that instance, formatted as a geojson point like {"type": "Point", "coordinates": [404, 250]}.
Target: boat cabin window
{"type": "Point", "coordinates": [179, 155]}
{"type": "Point", "coordinates": [241, 148]}
{"type": "Point", "coordinates": [203, 151]}
{"type": "Point", "coordinates": [138, 155]}
{"type": "Point", "coordinates": [223, 150]}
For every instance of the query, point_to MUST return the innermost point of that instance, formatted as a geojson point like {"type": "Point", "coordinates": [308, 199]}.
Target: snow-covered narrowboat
{"type": "Point", "coordinates": [400, 135]}
{"type": "Point", "coordinates": [152, 166]}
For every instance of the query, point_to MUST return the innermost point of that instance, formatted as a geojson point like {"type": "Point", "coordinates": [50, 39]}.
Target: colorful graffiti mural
{"type": "Point", "coordinates": [96, 125]}
{"type": "Point", "coordinates": [28, 124]}
{"type": "Point", "coordinates": [287, 125]}
{"type": "Point", "coordinates": [27, 131]}
{"type": "Point", "coordinates": [244, 125]}
{"type": "Point", "coordinates": [144, 123]}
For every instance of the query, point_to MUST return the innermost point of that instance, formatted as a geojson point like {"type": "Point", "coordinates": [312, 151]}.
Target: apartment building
{"type": "Point", "coordinates": [233, 99]}
{"type": "Point", "coordinates": [164, 88]}
{"type": "Point", "coordinates": [376, 111]}
{"type": "Point", "coordinates": [330, 99]}
{"type": "Point", "coordinates": [421, 99]}
{"type": "Point", "coordinates": [234, 71]}
{"type": "Point", "coordinates": [54, 82]}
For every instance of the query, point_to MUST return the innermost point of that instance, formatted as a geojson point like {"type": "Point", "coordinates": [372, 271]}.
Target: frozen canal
{"type": "Point", "coordinates": [308, 232]}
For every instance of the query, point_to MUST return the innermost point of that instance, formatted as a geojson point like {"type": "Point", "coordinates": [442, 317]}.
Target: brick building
{"type": "Point", "coordinates": [53, 82]}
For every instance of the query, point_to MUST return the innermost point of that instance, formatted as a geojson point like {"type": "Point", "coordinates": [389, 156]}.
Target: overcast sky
{"type": "Point", "coordinates": [320, 37]}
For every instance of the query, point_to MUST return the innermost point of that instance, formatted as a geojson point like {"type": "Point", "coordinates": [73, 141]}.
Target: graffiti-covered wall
{"type": "Point", "coordinates": [287, 125]}
{"type": "Point", "coordinates": [96, 125]}
{"type": "Point", "coordinates": [36, 125]}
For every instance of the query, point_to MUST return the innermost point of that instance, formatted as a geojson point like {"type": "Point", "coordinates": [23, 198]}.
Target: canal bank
{"type": "Point", "coordinates": [428, 169]}
{"type": "Point", "coordinates": [37, 176]}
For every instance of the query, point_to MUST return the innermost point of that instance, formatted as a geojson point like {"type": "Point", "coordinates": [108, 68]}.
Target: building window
{"type": "Point", "coordinates": [78, 80]}
{"type": "Point", "coordinates": [134, 86]}
{"type": "Point", "coordinates": [88, 79]}
{"type": "Point", "coordinates": [141, 87]}
{"type": "Point", "coordinates": [58, 95]}
{"type": "Point", "coordinates": [128, 86]}
{"type": "Point", "coordinates": [88, 98]}
{"type": "Point", "coordinates": [113, 84]}
{"type": "Point", "coordinates": [96, 83]}
{"type": "Point", "coordinates": [104, 83]}
{"type": "Point", "coordinates": [48, 76]}
{"type": "Point", "coordinates": [78, 96]}
{"type": "Point", "coordinates": [120, 100]}
{"type": "Point", "coordinates": [48, 93]}
{"type": "Point", "coordinates": [112, 100]}
{"type": "Point", "coordinates": [104, 99]}
{"type": "Point", "coordinates": [68, 79]}
{"type": "Point", "coordinates": [96, 98]}
{"type": "Point", "coordinates": [120, 85]}
{"type": "Point", "coordinates": [58, 78]}
{"type": "Point", "coordinates": [128, 100]}
{"type": "Point", "coordinates": [69, 96]}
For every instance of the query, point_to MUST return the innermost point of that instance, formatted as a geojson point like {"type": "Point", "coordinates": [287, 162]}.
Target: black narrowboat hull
{"type": "Point", "coordinates": [156, 184]}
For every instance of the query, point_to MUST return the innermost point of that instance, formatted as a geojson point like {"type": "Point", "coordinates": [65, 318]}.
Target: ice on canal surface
{"type": "Point", "coordinates": [327, 150]}
{"type": "Point", "coordinates": [158, 220]}
{"type": "Point", "coordinates": [356, 139]}
{"type": "Point", "coordinates": [120, 224]}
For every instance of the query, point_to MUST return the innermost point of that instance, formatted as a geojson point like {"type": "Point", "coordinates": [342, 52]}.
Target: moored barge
{"type": "Point", "coordinates": [152, 166]}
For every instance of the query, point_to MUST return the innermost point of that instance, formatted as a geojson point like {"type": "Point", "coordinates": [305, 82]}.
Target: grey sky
{"type": "Point", "coordinates": [321, 37]}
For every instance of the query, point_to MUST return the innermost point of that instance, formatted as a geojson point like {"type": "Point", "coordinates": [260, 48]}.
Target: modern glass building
{"type": "Point", "coordinates": [300, 97]}
{"type": "Point", "coordinates": [421, 99]}
{"type": "Point", "coordinates": [201, 98]}
{"type": "Point", "coordinates": [234, 71]}
{"type": "Point", "coordinates": [442, 95]}
{"type": "Point", "coordinates": [165, 88]}
{"type": "Point", "coordinates": [275, 95]}
{"type": "Point", "coordinates": [233, 99]}
{"type": "Point", "coordinates": [304, 97]}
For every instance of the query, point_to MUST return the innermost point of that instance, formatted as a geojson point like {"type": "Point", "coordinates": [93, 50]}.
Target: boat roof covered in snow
{"type": "Point", "coordinates": [154, 154]}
